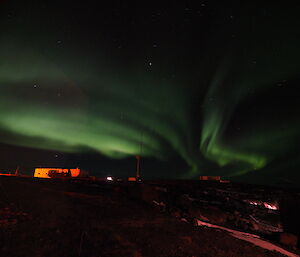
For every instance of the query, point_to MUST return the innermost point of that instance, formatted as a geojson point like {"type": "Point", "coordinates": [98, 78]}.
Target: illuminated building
{"type": "Point", "coordinates": [56, 172]}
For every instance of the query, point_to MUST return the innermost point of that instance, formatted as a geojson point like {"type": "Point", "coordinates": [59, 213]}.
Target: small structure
{"type": "Point", "coordinates": [56, 172]}
{"type": "Point", "coordinates": [138, 166]}
{"type": "Point", "coordinates": [10, 174]}
{"type": "Point", "coordinates": [214, 178]}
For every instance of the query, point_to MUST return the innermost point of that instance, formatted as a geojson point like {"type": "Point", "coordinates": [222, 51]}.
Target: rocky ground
{"type": "Point", "coordinates": [64, 218]}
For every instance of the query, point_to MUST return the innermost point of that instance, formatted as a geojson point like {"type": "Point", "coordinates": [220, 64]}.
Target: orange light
{"type": "Point", "coordinates": [75, 172]}
{"type": "Point", "coordinates": [7, 174]}
{"type": "Point", "coordinates": [47, 172]}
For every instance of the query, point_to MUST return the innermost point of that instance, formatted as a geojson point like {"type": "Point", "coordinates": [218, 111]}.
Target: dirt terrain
{"type": "Point", "coordinates": [40, 218]}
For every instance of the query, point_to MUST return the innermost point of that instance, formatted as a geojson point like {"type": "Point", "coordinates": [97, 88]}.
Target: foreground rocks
{"type": "Point", "coordinates": [288, 239]}
{"type": "Point", "coordinates": [65, 219]}
{"type": "Point", "coordinates": [241, 207]}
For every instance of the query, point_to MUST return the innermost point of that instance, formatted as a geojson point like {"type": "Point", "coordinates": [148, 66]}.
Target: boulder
{"type": "Point", "coordinates": [288, 239]}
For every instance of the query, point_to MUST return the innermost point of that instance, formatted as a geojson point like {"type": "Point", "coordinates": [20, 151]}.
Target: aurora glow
{"type": "Point", "coordinates": [70, 91]}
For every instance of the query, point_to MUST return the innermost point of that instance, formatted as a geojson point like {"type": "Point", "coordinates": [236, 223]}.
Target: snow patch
{"type": "Point", "coordinates": [251, 238]}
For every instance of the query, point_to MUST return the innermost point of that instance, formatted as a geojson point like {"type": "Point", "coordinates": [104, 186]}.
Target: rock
{"type": "Point", "coordinates": [148, 194]}
{"type": "Point", "coordinates": [187, 239]}
{"type": "Point", "coordinates": [185, 201]}
{"type": "Point", "coordinates": [176, 213]}
{"type": "Point", "coordinates": [198, 214]}
{"type": "Point", "coordinates": [290, 212]}
{"type": "Point", "coordinates": [215, 215]}
{"type": "Point", "coordinates": [254, 226]}
{"type": "Point", "coordinates": [160, 206]}
{"type": "Point", "coordinates": [288, 239]}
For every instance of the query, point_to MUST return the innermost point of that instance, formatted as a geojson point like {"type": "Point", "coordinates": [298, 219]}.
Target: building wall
{"type": "Point", "coordinates": [43, 172]}
{"type": "Point", "coordinates": [210, 178]}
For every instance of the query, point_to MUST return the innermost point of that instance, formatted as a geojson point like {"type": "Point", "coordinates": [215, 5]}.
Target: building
{"type": "Point", "coordinates": [56, 172]}
{"type": "Point", "coordinates": [214, 178]}
{"type": "Point", "coordinates": [132, 179]}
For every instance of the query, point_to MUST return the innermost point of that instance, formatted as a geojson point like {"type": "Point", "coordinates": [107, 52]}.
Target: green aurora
{"type": "Point", "coordinates": [75, 101]}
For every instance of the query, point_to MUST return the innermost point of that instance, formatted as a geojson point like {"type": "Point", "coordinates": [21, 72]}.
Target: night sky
{"type": "Point", "coordinates": [194, 87]}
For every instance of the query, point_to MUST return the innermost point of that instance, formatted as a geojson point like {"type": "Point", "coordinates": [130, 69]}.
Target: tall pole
{"type": "Point", "coordinates": [17, 172]}
{"type": "Point", "coordinates": [138, 159]}
{"type": "Point", "coordinates": [138, 166]}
